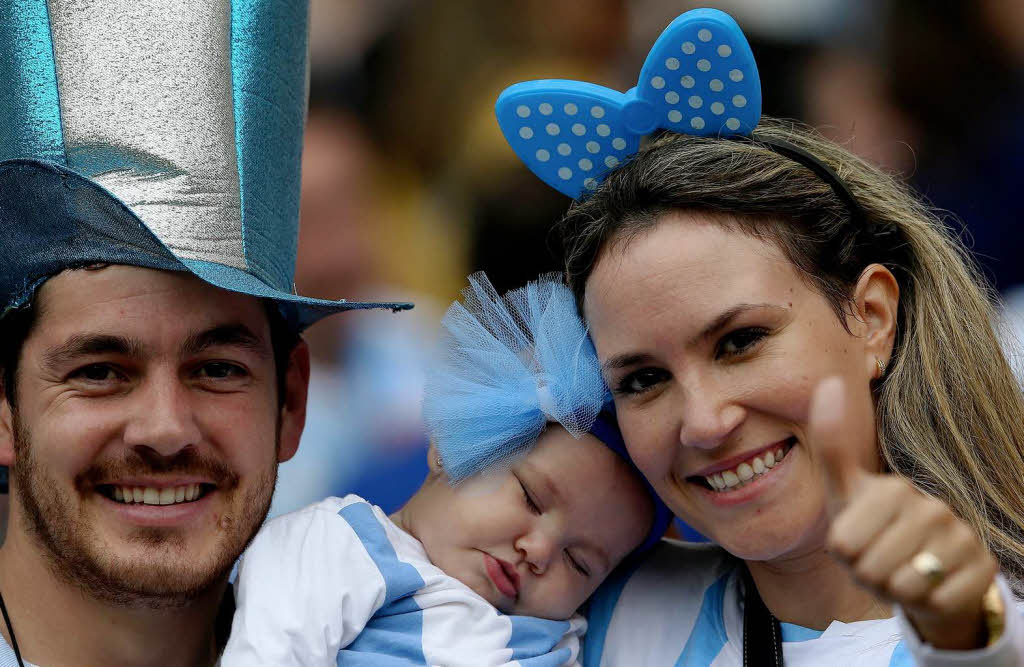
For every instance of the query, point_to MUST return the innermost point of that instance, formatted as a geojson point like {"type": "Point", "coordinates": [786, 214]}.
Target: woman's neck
{"type": "Point", "coordinates": [812, 590]}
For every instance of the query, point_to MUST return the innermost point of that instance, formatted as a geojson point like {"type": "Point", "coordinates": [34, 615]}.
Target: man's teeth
{"type": "Point", "coordinates": [148, 495]}
{"type": "Point", "coordinates": [746, 471]}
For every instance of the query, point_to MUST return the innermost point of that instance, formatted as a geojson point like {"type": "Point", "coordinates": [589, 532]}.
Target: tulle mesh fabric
{"type": "Point", "coordinates": [507, 366]}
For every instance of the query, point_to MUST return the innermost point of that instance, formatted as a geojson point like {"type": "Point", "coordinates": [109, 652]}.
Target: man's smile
{"type": "Point", "coordinates": [155, 495]}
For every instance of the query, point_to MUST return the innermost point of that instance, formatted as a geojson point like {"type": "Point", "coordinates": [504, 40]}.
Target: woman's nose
{"type": "Point", "coordinates": [708, 417]}
{"type": "Point", "coordinates": [162, 417]}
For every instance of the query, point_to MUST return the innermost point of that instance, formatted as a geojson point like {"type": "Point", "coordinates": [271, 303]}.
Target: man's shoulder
{"type": "Point", "coordinates": [328, 518]}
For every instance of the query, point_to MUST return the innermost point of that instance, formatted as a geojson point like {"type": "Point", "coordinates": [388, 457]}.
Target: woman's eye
{"type": "Point", "coordinates": [529, 500]}
{"type": "Point", "coordinates": [740, 341]}
{"type": "Point", "coordinates": [641, 380]}
{"type": "Point", "coordinates": [220, 370]}
{"type": "Point", "coordinates": [575, 564]}
{"type": "Point", "coordinates": [95, 373]}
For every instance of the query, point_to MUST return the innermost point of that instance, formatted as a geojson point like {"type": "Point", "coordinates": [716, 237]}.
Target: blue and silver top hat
{"type": "Point", "coordinates": [158, 134]}
{"type": "Point", "coordinates": [508, 366]}
{"type": "Point", "coordinates": [700, 78]}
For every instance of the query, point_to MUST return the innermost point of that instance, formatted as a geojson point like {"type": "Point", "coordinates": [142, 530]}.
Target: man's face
{"type": "Point", "coordinates": [146, 433]}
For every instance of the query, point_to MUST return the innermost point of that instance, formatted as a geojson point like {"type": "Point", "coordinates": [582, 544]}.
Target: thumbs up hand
{"type": "Point", "coordinates": [902, 545]}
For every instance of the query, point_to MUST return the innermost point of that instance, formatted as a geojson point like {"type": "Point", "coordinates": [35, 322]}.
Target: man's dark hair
{"type": "Point", "coordinates": [283, 339]}
{"type": "Point", "coordinates": [14, 329]}
{"type": "Point", "coordinates": [16, 325]}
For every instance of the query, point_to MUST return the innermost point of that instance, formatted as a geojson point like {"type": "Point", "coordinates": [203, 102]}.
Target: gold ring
{"type": "Point", "coordinates": [929, 566]}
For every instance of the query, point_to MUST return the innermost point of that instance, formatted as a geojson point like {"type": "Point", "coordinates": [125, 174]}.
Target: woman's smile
{"type": "Point", "coordinates": [744, 478]}
{"type": "Point", "coordinates": [739, 471]}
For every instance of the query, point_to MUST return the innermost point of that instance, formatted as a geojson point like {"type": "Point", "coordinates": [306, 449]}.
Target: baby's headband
{"type": "Point", "coordinates": [700, 79]}
{"type": "Point", "coordinates": [510, 365]}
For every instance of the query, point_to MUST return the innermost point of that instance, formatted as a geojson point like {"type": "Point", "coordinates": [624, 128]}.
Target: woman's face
{"type": "Point", "coordinates": [713, 345]}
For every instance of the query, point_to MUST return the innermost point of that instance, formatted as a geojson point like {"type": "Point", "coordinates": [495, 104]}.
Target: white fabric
{"type": "Point", "coordinates": [683, 606]}
{"type": "Point", "coordinates": [312, 586]}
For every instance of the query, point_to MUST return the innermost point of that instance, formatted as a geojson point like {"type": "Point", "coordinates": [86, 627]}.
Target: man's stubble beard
{"type": "Point", "coordinates": [77, 558]}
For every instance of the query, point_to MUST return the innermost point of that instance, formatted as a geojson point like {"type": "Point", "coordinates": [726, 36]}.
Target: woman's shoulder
{"type": "Point", "coordinates": [676, 589]}
{"type": "Point", "coordinates": [672, 572]}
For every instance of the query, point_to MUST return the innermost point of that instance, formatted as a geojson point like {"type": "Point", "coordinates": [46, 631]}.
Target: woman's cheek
{"type": "Point", "coordinates": [649, 441]}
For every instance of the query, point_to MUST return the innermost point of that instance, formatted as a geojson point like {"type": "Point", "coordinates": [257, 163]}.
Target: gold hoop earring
{"type": "Point", "coordinates": [881, 368]}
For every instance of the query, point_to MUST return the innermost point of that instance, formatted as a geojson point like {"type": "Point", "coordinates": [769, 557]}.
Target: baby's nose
{"type": "Point", "coordinates": [537, 548]}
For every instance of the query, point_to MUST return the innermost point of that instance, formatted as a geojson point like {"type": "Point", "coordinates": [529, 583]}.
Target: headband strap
{"type": "Point", "coordinates": [822, 170]}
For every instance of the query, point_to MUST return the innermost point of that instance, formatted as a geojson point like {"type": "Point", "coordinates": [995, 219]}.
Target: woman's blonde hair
{"type": "Point", "coordinates": [950, 413]}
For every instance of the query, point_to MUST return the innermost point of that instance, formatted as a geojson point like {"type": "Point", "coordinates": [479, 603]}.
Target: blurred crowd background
{"type": "Point", "coordinates": [408, 185]}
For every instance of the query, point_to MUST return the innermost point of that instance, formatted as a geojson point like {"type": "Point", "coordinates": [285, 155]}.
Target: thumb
{"type": "Point", "coordinates": [834, 433]}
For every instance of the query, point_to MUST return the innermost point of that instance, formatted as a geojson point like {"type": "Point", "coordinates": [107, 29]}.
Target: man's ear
{"type": "Point", "coordinates": [6, 430]}
{"type": "Point", "coordinates": [293, 407]}
{"type": "Point", "coordinates": [877, 298]}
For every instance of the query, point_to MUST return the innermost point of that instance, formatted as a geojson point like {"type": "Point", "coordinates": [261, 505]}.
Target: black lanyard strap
{"type": "Point", "coordinates": [10, 632]}
{"type": "Point", "coordinates": [762, 636]}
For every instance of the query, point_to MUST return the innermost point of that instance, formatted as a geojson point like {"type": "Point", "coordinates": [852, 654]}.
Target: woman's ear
{"type": "Point", "coordinates": [877, 298]}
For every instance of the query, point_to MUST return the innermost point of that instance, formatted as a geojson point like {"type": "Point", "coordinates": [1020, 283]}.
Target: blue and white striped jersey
{"type": "Point", "coordinates": [684, 606]}
{"type": "Point", "coordinates": [338, 583]}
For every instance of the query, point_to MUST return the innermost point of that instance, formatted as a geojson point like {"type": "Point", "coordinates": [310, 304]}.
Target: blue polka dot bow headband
{"type": "Point", "coordinates": [700, 78]}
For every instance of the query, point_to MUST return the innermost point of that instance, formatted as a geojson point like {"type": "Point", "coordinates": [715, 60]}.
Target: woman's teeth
{"type": "Point", "coordinates": [148, 495]}
{"type": "Point", "coordinates": [746, 472]}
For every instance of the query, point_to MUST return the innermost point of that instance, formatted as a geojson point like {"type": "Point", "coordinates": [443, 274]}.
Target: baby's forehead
{"type": "Point", "coordinates": [583, 471]}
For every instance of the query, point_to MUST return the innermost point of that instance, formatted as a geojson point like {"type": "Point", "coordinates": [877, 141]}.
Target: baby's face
{"type": "Point", "coordinates": [538, 538]}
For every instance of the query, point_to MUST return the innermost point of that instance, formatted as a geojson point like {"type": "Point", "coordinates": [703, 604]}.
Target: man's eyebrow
{"type": "Point", "coordinates": [83, 345]}
{"type": "Point", "coordinates": [229, 335]}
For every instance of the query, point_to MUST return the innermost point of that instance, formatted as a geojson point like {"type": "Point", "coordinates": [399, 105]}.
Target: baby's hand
{"type": "Point", "coordinates": [902, 545]}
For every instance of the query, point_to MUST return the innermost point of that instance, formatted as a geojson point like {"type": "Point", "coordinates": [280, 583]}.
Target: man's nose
{"type": "Point", "coordinates": [163, 417]}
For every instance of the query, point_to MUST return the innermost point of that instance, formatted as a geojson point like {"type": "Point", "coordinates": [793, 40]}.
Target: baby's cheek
{"type": "Point", "coordinates": [573, 594]}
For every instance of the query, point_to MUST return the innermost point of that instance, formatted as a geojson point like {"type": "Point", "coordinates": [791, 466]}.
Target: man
{"type": "Point", "coordinates": [152, 370]}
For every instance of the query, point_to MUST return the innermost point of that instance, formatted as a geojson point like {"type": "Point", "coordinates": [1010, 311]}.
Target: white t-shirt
{"type": "Point", "coordinates": [338, 583]}
{"type": "Point", "coordinates": [684, 606]}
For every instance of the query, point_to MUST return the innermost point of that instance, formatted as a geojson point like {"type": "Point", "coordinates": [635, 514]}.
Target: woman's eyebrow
{"type": "Point", "coordinates": [627, 359]}
{"type": "Point", "coordinates": [723, 320]}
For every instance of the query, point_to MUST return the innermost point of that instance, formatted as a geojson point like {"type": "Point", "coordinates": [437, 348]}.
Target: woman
{"type": "Point", "coordinates": [725, 283]}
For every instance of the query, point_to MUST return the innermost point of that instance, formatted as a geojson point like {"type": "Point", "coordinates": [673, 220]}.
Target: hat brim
{"type": "Point", "coordinates": [53, 219]}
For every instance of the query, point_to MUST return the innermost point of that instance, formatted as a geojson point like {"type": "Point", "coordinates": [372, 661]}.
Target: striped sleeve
{"type": "Point", "coordinates": [306, 588]}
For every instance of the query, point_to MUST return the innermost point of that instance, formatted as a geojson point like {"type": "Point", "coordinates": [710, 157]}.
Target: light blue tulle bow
{"type": "Point", "coordinates": [700, 78]}
{"type": "Point", "coordinates": [509, 365]}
